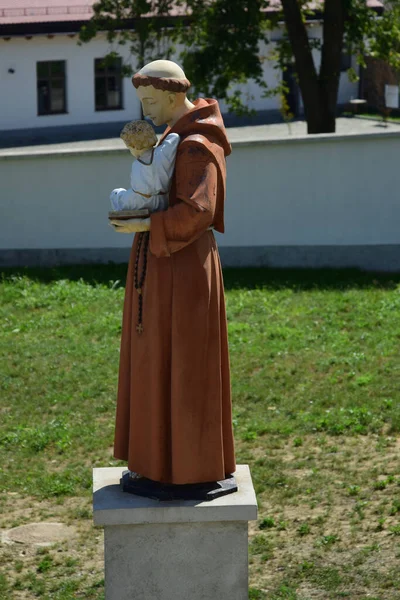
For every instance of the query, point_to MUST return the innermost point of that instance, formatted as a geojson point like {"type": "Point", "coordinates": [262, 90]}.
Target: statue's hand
{"type": "Point", "coordinates": [130, 225]}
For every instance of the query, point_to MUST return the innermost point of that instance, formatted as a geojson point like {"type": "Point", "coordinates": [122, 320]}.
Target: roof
{"type": "Point", "coordinates": [44, 11]}
{"type": "Point", "coordinates": [15, 12]}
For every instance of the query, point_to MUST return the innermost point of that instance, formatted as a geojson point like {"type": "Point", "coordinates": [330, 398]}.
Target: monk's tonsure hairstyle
{"type": "Point", "coordinates": [167, 84]}
{"type": "Point", "coordinates": [138, 134]}
{"type": "Point", "coordinates": [162, 75]}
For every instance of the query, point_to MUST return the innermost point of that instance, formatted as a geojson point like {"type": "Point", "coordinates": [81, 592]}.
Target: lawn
{"type": "Point", "coordinates": [316, 388]}
{"type": "Point", "coordinates": [374, 116]}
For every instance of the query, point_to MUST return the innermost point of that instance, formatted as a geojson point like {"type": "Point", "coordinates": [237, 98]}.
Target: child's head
{"type": "Point", "coordinates": [138, 137]}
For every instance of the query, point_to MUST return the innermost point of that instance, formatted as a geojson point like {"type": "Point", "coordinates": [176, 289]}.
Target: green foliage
{"type": "Point", "coordinates": [353, 490]}
{"type": "Point", "coordinates": [140, 24]}
{"type": "Point", "coordinates": [36, 439]}
{"type": "Point", "coordinates": [395, 529]}
{"type": "Point", "coordinates": [222, 41]}
{"type": "Point", "coordinates": [385, 43]}
{"type": "Point", "coordinates": [326, 541]}
{"type": "Point", "coordinates": [262, 547]}
{"type": "Point", "coordinates": [266, 523]}
{"type": "Point", "coordinates": [45, 564]}
{"type": "Point", "coordinates": [4, 588]}
{"type": "Point", "coordinates": [337, 421]}
{"type": "Point", "coordinates": [326, 577]}
{"type": "Point", "coordinates": [285, 592]}
{"type": "Point", "coordinates": [255, 594]}
{"type": "Point", "coordinates": [304, 529]}
{"type": "Point", "coordinates": [223, 47]}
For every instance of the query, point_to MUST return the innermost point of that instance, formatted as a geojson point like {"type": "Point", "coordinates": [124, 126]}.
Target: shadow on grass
{"type": "Point", "coordinates": [235, 278]}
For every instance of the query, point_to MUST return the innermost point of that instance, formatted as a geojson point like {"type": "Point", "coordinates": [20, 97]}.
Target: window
{"type": "Point", "coordinates": [50, 76]}
{"type": "Point", "coordinates": [108, 84]}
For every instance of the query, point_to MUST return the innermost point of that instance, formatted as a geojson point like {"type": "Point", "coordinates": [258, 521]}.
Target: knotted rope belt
{"type": "Point", "coordinates": [142, 248]}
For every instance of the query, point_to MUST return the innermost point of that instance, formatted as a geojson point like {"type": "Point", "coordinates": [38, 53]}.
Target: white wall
{"type": "Point", "coordinates": [63, 201]}
{"type": "Point", "coordinates": [317, 190]}
{"type": "Point", "coordinates": [18, 96]}
{"type": "Point", "coordinates": [252, 95]}
{"type": "Point", "coordinates": [310, 191]}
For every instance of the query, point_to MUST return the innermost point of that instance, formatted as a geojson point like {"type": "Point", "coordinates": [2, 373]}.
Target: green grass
{"type": "Point", "coordinates": [374, 116]}
{"type": "Point", "coordinates": [315, 371]}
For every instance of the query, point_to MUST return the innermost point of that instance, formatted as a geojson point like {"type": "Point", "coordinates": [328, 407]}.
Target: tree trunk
{"type": "Point", "coordinates": [319, 92]}
{"type": "Point", "coordinates": [335, 14]}
{"type": "Point", "coordinates": [322, 121]}
{"type": "Point", "coordinates": [305, 68]}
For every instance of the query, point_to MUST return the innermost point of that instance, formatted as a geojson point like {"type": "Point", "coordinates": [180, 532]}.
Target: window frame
{"type": "Point", "coordinates": [50, 78]}
{"type": "Point", "coordinates": [105, 76]}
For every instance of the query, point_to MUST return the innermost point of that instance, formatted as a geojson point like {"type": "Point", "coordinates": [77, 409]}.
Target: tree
{"type": "Point", "coordinates": [222, 40]}
{"type": "Point", "coordinates": [140, 23]}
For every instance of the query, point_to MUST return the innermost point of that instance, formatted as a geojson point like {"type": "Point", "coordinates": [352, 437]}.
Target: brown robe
{"type": "Point", "coordinates": [174, 422]}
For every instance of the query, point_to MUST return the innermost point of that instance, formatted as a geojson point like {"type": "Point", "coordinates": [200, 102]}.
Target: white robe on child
{"type": "Point", "coordinates": [151, 175]}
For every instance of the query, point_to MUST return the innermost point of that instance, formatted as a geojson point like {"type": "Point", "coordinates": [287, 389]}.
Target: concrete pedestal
{"type": "Point", "coordinates": [184, 550]}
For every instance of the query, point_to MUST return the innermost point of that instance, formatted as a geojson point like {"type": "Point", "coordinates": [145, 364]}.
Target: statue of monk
{"type": "Point", "coordinates": [173, 422]}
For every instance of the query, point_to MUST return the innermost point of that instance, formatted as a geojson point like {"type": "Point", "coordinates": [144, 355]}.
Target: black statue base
{"type": "Point", "coordinates": [191, 491]}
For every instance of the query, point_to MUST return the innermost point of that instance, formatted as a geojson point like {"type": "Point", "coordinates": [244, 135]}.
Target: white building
{"type": "Point", "coordinates": [48, 80]}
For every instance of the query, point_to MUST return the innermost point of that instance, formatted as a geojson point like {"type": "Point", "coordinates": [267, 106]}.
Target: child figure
{"type": "Point", "coordinates": [151, 171]}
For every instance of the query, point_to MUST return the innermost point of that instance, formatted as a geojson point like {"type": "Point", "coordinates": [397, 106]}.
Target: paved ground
{"type": "Point", "coordinates": [344, 126]}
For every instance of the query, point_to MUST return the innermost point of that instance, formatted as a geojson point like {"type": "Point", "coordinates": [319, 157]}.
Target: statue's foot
{"type": "Point", "coordinates": [133, 475]}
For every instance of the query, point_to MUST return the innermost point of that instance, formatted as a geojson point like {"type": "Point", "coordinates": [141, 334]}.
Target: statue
{"type": "Point", "coordinates": [173, 422]}
{"type": "Point", "coordinates": [151, 172]}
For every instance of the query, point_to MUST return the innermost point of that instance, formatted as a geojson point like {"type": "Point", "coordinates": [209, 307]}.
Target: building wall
{"type": "Point", "coordinates": [315, 192]}
{"type": "Point", "coordinates": [18, 97]}
{"type": "Point", "coordinates": [376, 75]}
{"type": "Point", "coordinates": [18, 100]}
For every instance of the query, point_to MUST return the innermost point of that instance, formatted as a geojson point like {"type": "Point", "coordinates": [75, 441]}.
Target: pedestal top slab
{"type": "Point", "coordinates": [112, 506]}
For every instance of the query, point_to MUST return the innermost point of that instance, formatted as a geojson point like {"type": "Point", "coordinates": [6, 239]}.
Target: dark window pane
{"type": "Point", "coordinates": [101, 96]}
{"type": "Point", "coordinates": [114, 92]}
{"type": "Point", "coordinates": [51, 86]}
{"type": "Point", "coordinates": [345, 62]}
{"type": "Point", "coordinates": [57, 96]}
{"type": "Point", "coordinates": [113, 83]}
{"type": "Point", "coordinates": [108, 83]}
{"type": "Point", "coordinates": [99, 66]}
{"type": "Point", "coordinates": [43, 97]}
{"type": "Point", "coordinates": [113, 99]}
{"type": "Point", "coordinates": [57, 67]}
{"type": "Point", "coordinates": [114, 66]}
{"type": "Point", "coordinates": [42, 69]}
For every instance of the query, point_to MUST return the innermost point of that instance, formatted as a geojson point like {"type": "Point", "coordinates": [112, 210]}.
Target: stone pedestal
{"type": "Point", "coordinates": [176, 550]}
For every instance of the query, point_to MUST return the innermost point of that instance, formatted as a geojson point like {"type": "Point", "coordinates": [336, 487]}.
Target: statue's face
{"type": "Point", "coordinates": [135, 152]}
{"type": "Point", "coordinates": [158, 105]}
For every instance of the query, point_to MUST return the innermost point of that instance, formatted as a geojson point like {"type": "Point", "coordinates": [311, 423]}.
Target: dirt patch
{"type": "Point", "coordinates": [330, 539]}
{"type": "Point", "coordinates": [35, 569]}
{"type": "Point", "coordinates": [39, 534]}
{"type": "Point", "coordinates": [335, 536]}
